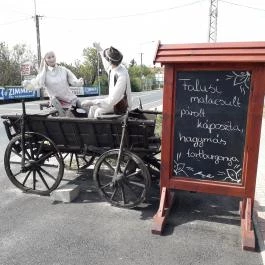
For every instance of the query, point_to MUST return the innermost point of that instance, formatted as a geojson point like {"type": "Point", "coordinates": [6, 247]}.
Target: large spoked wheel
{"type": "Point", "coordinates": [75, 161]}
{"type": "Point", "coordinates": [43, 168]}
{"type": "Point", "coordinates": [130, 186]}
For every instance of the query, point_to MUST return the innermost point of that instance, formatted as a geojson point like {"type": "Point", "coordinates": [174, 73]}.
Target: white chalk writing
{"type": "Point", "coordinates": [188, 112]}
{"type": "Point", "coordinates": [200, 154]}
{"type": "Point", "coordinates": [210, 126]}
{"type": "Point", "coordinates": [200, 141]}
{"type": "Point", "coordinates": [234, 102]}
{"type": "Point", "coordinates": [187, 86]}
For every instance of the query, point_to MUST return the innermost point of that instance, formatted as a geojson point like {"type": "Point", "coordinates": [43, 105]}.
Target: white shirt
{"type": "Point", "coordinates": [116, 91]}
{"type": "Point", "coordinates": [57, 81]}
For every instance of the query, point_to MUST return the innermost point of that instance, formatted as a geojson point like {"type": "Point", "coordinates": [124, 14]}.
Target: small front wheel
{"type": "Point", "coordinates": [129, 186]}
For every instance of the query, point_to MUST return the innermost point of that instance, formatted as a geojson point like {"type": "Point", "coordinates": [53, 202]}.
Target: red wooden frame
{"type": "Point", "coordinates": [213, 57]}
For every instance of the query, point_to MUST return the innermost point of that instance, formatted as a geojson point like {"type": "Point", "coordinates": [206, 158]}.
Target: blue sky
{"type": "Point", "coordinates": [134, 27]}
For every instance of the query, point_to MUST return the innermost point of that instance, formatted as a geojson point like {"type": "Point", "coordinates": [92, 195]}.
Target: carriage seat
{"type": "Point", "coordinates": [109, 116]}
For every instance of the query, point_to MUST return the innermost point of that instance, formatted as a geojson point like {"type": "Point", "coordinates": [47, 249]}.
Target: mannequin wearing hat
{"type": "Point", "coordinates": [119, 84]}
{"type": "Point", "coordinates": [57, 80]}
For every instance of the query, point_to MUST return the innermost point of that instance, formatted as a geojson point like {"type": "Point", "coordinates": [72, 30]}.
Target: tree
{"type": "Point", "coordinates": [10, 62]}
{"type": "Point", "coordinates": [89, 68]}
{"type": "Point", "coordinates": [75, 69]}
{"type": "Point", "coordinates": [142, 77]}
{"type": "Point", "coordinates": [132, 63]}
{"type": "Point", "coordinates": [5, 65]}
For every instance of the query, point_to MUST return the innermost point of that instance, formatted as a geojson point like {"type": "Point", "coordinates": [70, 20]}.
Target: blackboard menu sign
{"type": "Point", "coordinates": [210, 124]}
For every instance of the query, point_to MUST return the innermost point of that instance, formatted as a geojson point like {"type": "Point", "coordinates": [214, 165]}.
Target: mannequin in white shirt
{"type": "Point", "coordinates": [57, 80]}
{"type": "Point", "coordinates": [119, 84]}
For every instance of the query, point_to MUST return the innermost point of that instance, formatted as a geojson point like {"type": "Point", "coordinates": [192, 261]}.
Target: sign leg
{"type": "Point", "coordinates": [166, 201]}
{"type": "Point", "coordinates": [247, 232]}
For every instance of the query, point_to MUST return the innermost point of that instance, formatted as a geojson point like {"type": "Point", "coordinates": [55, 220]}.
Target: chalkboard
{"type": "Point", "coordinates": [210, 125]}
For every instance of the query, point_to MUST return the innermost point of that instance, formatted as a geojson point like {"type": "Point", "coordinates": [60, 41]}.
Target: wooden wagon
{"type": "Point", "coordinates": [122, 149]}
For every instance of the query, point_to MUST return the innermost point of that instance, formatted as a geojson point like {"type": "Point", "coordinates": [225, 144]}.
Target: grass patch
{"type": "Point", "coordinates": [158, 128]}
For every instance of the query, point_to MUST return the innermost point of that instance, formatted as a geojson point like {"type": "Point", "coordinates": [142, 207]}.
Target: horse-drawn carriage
{"type": "Point", "coordinates": [123, 151]}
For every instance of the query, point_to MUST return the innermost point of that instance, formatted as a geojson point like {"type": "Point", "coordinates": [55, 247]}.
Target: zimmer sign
{"type": "Point", "coordinates": [13, 92]}
{"type": "Point", "coordinates": [210, 125]}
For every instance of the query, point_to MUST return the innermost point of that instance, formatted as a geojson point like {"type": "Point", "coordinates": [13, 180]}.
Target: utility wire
{"type": "Point", "coordinates": [250, 7]}
{"type": "Point", "coordinates": [15, 21]}
{"type": "Point", "coordinates": [132, 15]}
{"type": "Point", "coordinates": [18, 11]}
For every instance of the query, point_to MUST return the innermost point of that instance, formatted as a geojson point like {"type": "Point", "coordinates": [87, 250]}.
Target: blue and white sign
{"type": "Point", "coordinates": [17, 92]}
{"type": "Point", "coordinates": [85, 91]}
{"type": "Point", "coordinates": [90, 91]}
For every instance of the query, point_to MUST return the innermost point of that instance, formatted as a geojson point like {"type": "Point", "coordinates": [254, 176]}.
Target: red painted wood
{"type": "Point", "coordinates": [247, 232]}
{"type": "Point", "coordinates": [212, 58]}
{"type": "Point", "coordinates": [213, 187]}
{"type": "Point", "coordinates": [167, 124]}
{"type": "Point", "coordinates": [211, 52]}
{"type": "Point", "coordinates": [214, 46]}
{"type": "Point", "coordinates": [254, 129]}
{"type": "Point", "coordinates": [160, 218]}
{"type": "Point", "coordinates": [246, 56]}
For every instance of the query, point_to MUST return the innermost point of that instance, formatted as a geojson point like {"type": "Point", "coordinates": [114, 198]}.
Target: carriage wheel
{"type": "Point", "coordinates": [131, 185]}
{"type": "Point", "coordinates": [75, 161]}
{"type": "Point", "coordinates": [43, 168]}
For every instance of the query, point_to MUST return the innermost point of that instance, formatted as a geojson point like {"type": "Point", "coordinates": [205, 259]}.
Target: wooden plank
{"type": "Point", "coordinates": [212, 58]}
{"type": "Point", "coordinates": [213, 187]}
{"type": "Point", "coordinates": [211, 52]}
{"type": "Point", "coordinates": [160, 218]}
{"type": "Point", "coordinates": [167, 125]}
{"type": "Point", "coordinates": [254, 129]}
{"type": "Point", "coordinates": [169, 53]}
{"type": "Point", "coordinates": [215, 46]}
{"type": "Point", "coordinates": [247, 232]}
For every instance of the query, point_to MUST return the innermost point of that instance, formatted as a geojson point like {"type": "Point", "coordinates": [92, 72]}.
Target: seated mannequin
{"type": "Point", "coordinates": [119, 85]}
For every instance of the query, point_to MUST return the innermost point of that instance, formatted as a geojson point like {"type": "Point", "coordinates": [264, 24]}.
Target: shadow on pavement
{"type": "Point", "coordinates": [192, 207]}
{"type": "Point", "coordinates": [89, 194]}
{"type": "Point", "coordinates": [188, 207]}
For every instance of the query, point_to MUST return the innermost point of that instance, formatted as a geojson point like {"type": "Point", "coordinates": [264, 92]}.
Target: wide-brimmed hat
{"type": "Point", "coordinates": [113, 55]}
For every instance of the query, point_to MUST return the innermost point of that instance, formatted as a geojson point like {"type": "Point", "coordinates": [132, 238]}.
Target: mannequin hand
{"type": "Point", "coordinates": [96, 101]}
{"type": "Point", "coordinates": [81, 80]}
{"type": "Point", "coordinates": [86, 103]}
{"type": "Point", "coordinates": [27, 84]}
{"type": "Point", "coordinates": [24, 83]}
{"type": "Point", "coordinates": [97, 46]}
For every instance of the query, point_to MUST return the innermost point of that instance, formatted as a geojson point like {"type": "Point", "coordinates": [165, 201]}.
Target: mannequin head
{"type": "Point", "coordinates": [50, 58]}
{"type": "Point", "coordinates": [113, 56]}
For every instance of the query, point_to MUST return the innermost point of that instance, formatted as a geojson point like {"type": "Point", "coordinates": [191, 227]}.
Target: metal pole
{"type": "Point", "coordinates": [23, 135]}
{"type": "Point", "coordinates": [36, 17]}
{"type": "Point", "coordinates": [212, 35]}
{"type": "Point", "coordinates": [38, 39]}
{"type": "Point", "coordinates": [141, 72]}
{"type": "Point", "coordinates": [37, 33]}
{"type": "Point", "coordinates": [99, 92]}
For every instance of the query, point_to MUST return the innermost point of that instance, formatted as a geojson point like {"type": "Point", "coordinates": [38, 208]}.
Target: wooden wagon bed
{"type": "Point", "coordinates": [124, 147]}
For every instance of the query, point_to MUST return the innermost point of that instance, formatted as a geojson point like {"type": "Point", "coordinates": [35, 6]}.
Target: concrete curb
{"type": "Point", "coordinates": [65, 193]}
